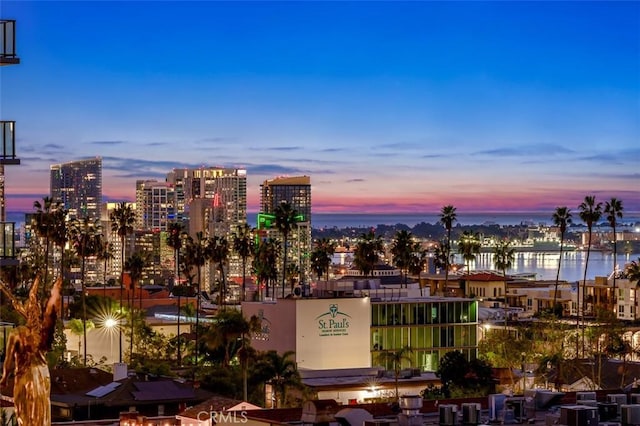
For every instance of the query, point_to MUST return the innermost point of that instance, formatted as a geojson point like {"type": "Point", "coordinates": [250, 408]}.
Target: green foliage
{"type": "Point", "coordinates": [463, 378]}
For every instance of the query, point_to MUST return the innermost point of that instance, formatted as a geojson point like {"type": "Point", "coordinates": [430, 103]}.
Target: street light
{"type": "Point", "coordinates": [110, 324]}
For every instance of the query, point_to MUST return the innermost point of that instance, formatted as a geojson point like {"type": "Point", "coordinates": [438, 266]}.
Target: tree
{"type": "Point", "coordinates": [195, 256]}
{"type": "Point", "coordinates": [79, 327]}
{"type": "Point", "coordinates": [122, 220]}
{"type": "Point", "coordinates": [265, 260]}
{"type": "Point", "coordinates": [321, 257]}
{"type": "Point", "coordinates": [469, 246]}
{"type": "Point", "coordinates": [503, 258]}
{"type": "Point", "coordinates": [396, 359]}
{"type": "Point", "coordinates": [174, 240]}
{"type": "Point", "coordinates": [367, 252]}
{"type": "Point", "coordinates": [613, 209]}
{"type": "Point", "coordinates": [281, 373]}
{"type": "Point", "coordinates": [86, 239]}
{"type": "Point", "coordinates": [590, 213]}
{"type": "Point", "coordinates": [447, 218]}
{"type": "Point", "coordinates": [286, 218]}
{"type": "Point", "coordinates": [632, 271]}
{"type": "Point", "coordinates": [218, 252]}
{"type": "Point", "coordinates": [180, 291]}
{"type": "Point", "coordinates": [403, 250]}
{"type": "Point", "coordinates": [135, 265]}
{"type": "Point", "coordinates": [243, 245]}
{"type": "Point", "coordinates": [105, 254]}
{"type": "Point", "coordinates": [455, 371]}
{"type": "Point", "coordinates": [562, 219]}
{"type": "Point", "coordinates": [59, 237]}
{"type": "Point", "coordinates": [46, 227]}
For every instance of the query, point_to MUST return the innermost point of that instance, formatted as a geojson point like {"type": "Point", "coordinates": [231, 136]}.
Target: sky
{"type": "Point", "coordinates": [388, 106]}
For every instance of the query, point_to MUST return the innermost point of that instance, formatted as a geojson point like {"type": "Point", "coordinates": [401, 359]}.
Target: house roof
{"type": "Point", "coordinates": [483, 276]}
{"type": "Point", "coordinates": [215, 403]}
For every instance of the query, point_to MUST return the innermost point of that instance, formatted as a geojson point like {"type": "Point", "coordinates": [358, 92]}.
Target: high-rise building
{"type": "Point", "coordinates": [297, 192]}
{"type": "Point", "coordinates": [212, 200]}
{"type": "Point", "coordinates": [226, 192]}
{"type": "Point", "coordinates": [155, 205]}
{"type": "Point", "coordinates": [78, 185]}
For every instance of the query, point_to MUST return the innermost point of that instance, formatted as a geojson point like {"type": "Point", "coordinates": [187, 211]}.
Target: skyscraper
{"type": "Point", "coordinates": [155, 205]}
{"type": "Point", "coordinates": [297, 192]}
{"type": "Point", "coordinates": [213, 201]}
{"type": "Point", "coordinates": [78, 185]}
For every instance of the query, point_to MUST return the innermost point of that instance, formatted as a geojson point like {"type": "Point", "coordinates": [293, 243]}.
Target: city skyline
{"type": "Point", "coordinates": [389, 107]}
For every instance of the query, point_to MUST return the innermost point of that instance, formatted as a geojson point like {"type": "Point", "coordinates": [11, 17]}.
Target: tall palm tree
{"type": "Point", "coordinates": [265, 262]}
{"type": "Point", "coordinates": [503, 257]}
{"type": "Point", "coordinates": [242, 242]}
{"type": "Point", "coordinates": [286, 218]}
{"type": "Point", "coordinates": [562, 219]}
{"type": "Point", "coordinates": [590, 213]}
{"type": "Point", "coordinates": [105, 254]}
{"type": "Point", "coordinates": [135, 265]}
{"type": "Point", "coordinates": [321, 256]}
{"type": "Point", "coordinates": [367, 252]}
{"type": "Point", "coordinates": [195, 256]}
{"type": "Point", "coordinates": [396, 359]}
{"type": "Point", "coordinates": [86, 240]}
{"type": "Point", "coordinates": [44, 227]}
{"type": "Point", "coordinates": [122, 220]}
{"type": "Point", "coordinates": [282, 372]}
{"type": "Point", "coordinates": [59, 237]}
{"type": "Point", "coordinates": [447, 218]}
{"type": "Point", "coordinates": [469, 246]}
{"type": "Point", "coordinates": [613, 209]}
{"type": "Point", "coordinates": [402, 251]}
{"type": "Point", "coordinates": [174, 240]}
{"type": "Point", "coordinates": [180, 291]}
{"type": "Point", "coordinates": [218, 249]}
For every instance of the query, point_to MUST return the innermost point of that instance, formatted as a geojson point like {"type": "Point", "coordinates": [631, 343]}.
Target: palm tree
{"type": "Point", "coordinates": [402, 250]}
{"type": "Point", "coordinates": [396, 358]}
{"type": "Point", "coordinates": [218, 251]}
{"type": "Point", "coordinates": [321, 257]}
{"type": "Point", "coordinates": [503, 258]}
{"type": "Point", "coordinates": [562, 219]}
{"type": "Point", "coordinates": [195, 256]}
{"type": "Point", "coordinates": [367, 252]}
{"type": "Point", "coordinates": [122, 220]}
{"type": "Point", "coordinates": [613, 209]}
{"type": "Point", "coordinates": [243, 246]}
{"type": "Point", "coordinates": [447, 217]}
{"type": "Point", "coordinates": [79, 327]}
{"type": "Point", "coordinates": [282, 372]}
{"type": "Point", "coordinates": [469, 246]}
{"type": "Point", "coordinates": [59, 237]}
{"type": "Point", "coordinates": [135, 265]}
{"type": "Point", "coordinates": [180, 291]}
{"type": "Point", "coordinates": [590, 213]}
{"type": "Point", "coordinates": [632, 271]}
{"type": "Point", "coordinates": [44, 219]}
{"type": "Point", "coordinates": [174, 240]}
{"type": "Point", "coordinates": [286, 218]}
{"type": "Point", "coordinates": [86, 239]}
{"type": "Point", "coordinates": [105, 254]}
{"type": "Point", "coordinates": [265, 262]}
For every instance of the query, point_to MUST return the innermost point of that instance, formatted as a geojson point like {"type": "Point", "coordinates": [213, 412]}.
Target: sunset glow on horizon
{"type": "Point", "coordinates": [391, 107]}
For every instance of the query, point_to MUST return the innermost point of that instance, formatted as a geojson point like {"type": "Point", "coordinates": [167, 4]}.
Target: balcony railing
{"type": "Point", "coordinates": [8, 143]}
{"type": "Point", "coordinates": [8, 54]}
{"type": "Point", "coordinates": [7, 240]}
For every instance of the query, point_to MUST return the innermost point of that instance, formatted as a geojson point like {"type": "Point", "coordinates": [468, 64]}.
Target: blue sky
{"type": "Point", "coordinates": [388, 106]}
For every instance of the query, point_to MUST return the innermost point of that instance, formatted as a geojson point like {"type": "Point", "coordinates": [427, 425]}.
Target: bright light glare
{"type": "Point", "coordinates": [110, 323]}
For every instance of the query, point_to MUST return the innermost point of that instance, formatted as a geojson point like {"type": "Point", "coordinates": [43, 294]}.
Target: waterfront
{"type": "Point", "coordinates": [545, 265]}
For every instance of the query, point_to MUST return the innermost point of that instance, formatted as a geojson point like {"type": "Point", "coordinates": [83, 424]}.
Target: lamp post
{"type": "Point", "coordinates": [110, 324]}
